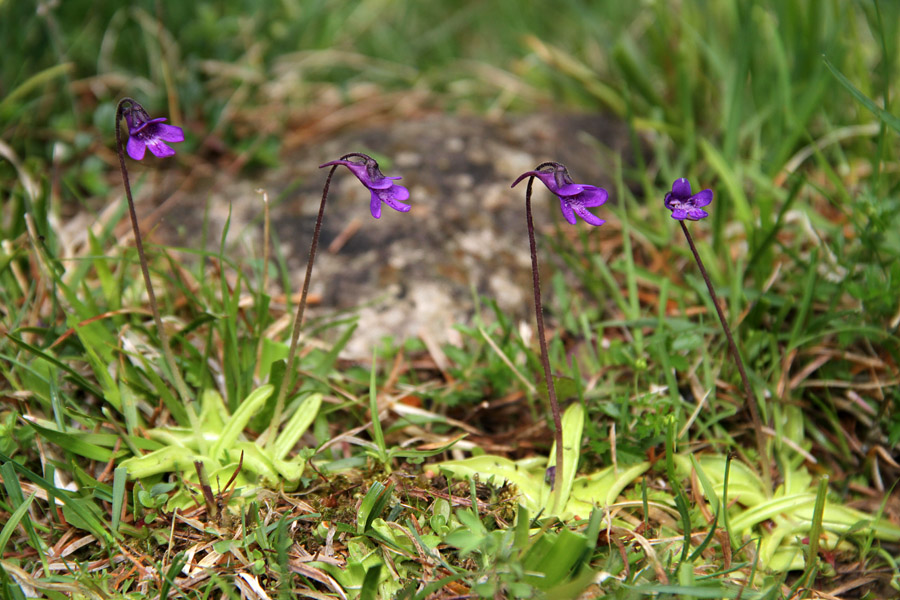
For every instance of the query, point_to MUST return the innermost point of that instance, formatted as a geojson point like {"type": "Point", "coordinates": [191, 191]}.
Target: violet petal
{"type": "Point", "coordinates": [593, 196]}
{"type": "Point", "coordinates": [567, 211]}
{"type": "Point", "coordinates": [375, 204]}
{"type": "Point", "coordinates": [588, 216]}
{"type": "Point", "coordinates": [702, 198]}
{"type": "Point", "coordinates": [135, 148]}
{"type": "Point", "coordinates": [169, 133]}
{"type": "Point", "coordinates": [159, 148]}
{"type": "Point", "coordinates": [681, 188]}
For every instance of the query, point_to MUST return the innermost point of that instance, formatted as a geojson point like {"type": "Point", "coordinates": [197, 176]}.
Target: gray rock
{"type": "Point", "coordinates": [414, 274]}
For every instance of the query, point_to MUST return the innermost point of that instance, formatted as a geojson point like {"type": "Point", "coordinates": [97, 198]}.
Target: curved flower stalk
{"type": "Point", "coordinates": [144, 133]}
{"type": "Point", "coordinates": [383, 190]}
{"type": "Point", "coordinates": [687, 206]}
{"type": "Point", "coordinates": [574, 199]}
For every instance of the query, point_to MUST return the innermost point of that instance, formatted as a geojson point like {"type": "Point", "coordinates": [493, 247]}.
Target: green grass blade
{"type": "Point", "coordinates": [13, 521]}
{"type": "Point", "coordinates": [377, 432]}
{"type": "Point", "coordinates": [35, 81]}
{"type": "Point", "coordinates": [17, 499]}
{"type": "Point", "coordinates": [74, 442]}
{"type": "Point", "coordinates": [171, 574]}
{"type": "Point", "coordinates": [75, 376]}
{"type": "Point", "coordinates": [120, 477]}
{"type": "Point", "coordinates": [710, 492]}
{"type": "Point", "coordinates": [369, 590]}
{"type": "Point", "coordinates": [161, 389]}
{"type": "Point", "coordinates": [731, 178]}
{"type": "Point", "coordinates": [373, 504]}
{"type": "Point", "coordinates": [815, 534]}
{"type": "Point", "coordinates": [885, 117]}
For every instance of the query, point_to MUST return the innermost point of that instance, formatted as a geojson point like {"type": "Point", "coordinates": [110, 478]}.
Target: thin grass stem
{"type": "Point", "coordinates": [264, 284]}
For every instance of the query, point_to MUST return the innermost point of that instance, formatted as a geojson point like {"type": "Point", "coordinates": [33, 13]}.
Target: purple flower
{"type": "Point", "coordinates": [574, 198]}
{"type": "Point", "coordinates": [685, 206]}
{"type": "Point", "coordinates": [383, 188]}
{"type": "Point", "coordinates": [144, 132]}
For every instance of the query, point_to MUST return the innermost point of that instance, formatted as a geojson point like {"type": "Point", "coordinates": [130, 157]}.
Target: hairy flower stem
{"type": "Point", "coordinates": [180, 386]}
{"type": "Point", "coordinates": [748, 391]}
{"type": "Point", "coordinates": [287, 382]}
{"type": "Point", "coordinates": [557, 477]}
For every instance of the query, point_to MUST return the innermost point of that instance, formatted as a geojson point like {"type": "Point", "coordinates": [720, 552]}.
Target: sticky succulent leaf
{"type": "Point", "coordinates": [296, 426]}
{"type": "Point", "coordinates": [558, 559]}
{"type": "Point", "coordinates": [601, 488]}
{"type": "Point", "coordinates": [164, 460]}
{"type": "Point", "coordinates": [236, 424]}
{"type": "Point", "coordinates": [212, 407]}
{"type": "Point", "coordinates": [572, 428]}
{"type": "Point", "coordinates": [499, 469]}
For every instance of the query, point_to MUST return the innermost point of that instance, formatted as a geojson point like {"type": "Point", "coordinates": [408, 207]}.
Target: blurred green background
{"type": "Point", "coordinates": [746, 78]}
{"type": "Point", "coordinates": [754, 98]}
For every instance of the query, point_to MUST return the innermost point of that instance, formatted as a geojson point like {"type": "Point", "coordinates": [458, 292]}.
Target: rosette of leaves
{"type": "Point", "coordinates": [220, 446]}
{"type": "Point", "coordinates": [578, 496]}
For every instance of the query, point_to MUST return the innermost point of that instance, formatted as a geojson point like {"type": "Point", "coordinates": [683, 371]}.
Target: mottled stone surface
{"type": "Point", "coordinates": [414, 274]}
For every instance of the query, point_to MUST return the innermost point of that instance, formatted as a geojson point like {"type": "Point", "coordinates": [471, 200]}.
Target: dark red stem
{"type": "Point", "coordinates": [145, 269]}
{"type": "Point", "coordinates": [298, 320]}
{"type": "Point", "coordinates": [748, 390]}
{"type": "Point", "coordinates": [545, 358]}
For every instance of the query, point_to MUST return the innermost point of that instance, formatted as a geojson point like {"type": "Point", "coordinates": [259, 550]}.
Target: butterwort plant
{"type": "Point", "coordinates": [154, 134]}
{"type": "Point", "coordinates": [686, 206]}
{"type": "Point", "coordinates": [382, 190]}
{"type": "Point", "coordinates": [574, 201]}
